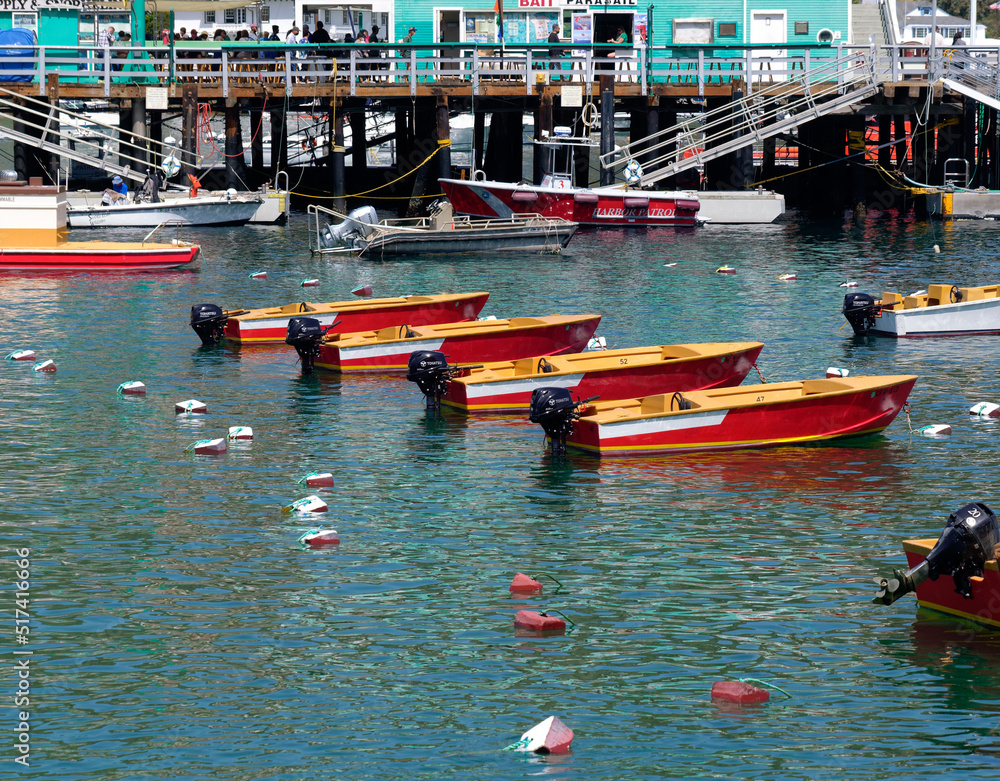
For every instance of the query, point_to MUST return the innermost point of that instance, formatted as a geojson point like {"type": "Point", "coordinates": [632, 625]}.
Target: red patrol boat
{"type": "Point", "coordinates": [750, 416]}
{"type": "Point", "coordinates": [556, 196]}
{"type": "Point", "coordinates": [609, 374]}
{"type": "Point", "coordinates": [270, 325]}
{"type": "Point", "coordinates": [389, 349]}
{"type": "Point", "coordinates": [33, 236]}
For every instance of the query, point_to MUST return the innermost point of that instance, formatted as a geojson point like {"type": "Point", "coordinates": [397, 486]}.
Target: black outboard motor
{"type": "Point", "coordinates": [209, 322]}
{"type": "Point", "coordinates": [429, 369]}
{"type": "Point", "coordinates": [555, 411]}
{"type": "Point", "coordinates": [860, 310]}
{"type": "Point", "coordinates": [305, 334]}
{"type": "Point", "coordinates": [965, 545]}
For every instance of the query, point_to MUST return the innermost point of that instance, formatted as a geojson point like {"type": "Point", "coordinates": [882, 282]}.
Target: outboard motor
{"type": "Point", "coordinates": [429, 369]}
{"type": "Point", "coordinates": [860, 310]}
{"type": "Point", "coordinates": [209, 322]}
{"type": "Point", "coordinates": [305, 334]}
{"type": "Point", "coordinates": [963, 548]}
{"type": "Point", "coordinates": [555, 411]}
{"type": "Point", "coordinates": [357, 223]}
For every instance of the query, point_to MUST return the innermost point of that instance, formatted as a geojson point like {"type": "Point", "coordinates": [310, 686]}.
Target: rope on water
{"type": "Point", "coordinates": [765, 683]}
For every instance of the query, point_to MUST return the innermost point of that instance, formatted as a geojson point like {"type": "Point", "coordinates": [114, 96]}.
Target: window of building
{"type": "Point", "coordinates": [694, 30]}
{"type": "Point", "coordinates": [209, 18]}
{"type": "Point", "coordinates": [236, 16]}
{"type": "Point", "coordinates": [265, 13]}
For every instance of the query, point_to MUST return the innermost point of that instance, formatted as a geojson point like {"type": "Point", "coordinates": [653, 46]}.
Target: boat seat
{"type": "Point", "coordinates": [975, 293]}
{"type": "Point", "coordinates": [938, 295]}
{"type": "Point", "coordinates": [914, 302]}
{"type": "Point", "coordinates": [810, 387]}
{"type": "Point", "coordinates": [892, 301]}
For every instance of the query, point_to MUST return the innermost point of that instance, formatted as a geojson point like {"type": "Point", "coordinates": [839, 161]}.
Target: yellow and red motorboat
{"type": "Point", "coordinates": [611, 374]}
{"type": "Point", "coordinates": [270, 325]}
{"type": "Point", "coordinates": [389, 349]}
{"type": "Point", "coordinates": [33, 236]}
{"type": "Point", "coordinates": [749, 416]}
{"type": "Point", "coordinates": [955, 574]}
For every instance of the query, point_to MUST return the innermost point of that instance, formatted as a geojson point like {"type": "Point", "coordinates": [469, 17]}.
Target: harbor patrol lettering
{"type": "Point", "coordinates": [574, 3]}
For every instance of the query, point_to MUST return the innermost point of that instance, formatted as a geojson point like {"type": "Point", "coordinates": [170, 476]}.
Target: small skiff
{"type": "Point", "coordinates": [750, 416]}
{"type": "Point", "coordinates": [941, 310]}
{"type": "Point", "coordinates": [610, 374]}
{"type": "Point", "coordinates": [389, 349]}
{"type": "Point", "coordinates": [941, 595]}
{"type": "Point", "coordinates": [270, 325]}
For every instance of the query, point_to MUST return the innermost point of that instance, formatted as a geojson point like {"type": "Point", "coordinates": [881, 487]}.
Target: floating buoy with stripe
{"type": "Point", "coordinates": [318, 480]}
{"type": "Point", "coordinates": [240, 433]}
{"type": "Point", "coordinates": [985, 409]}
{"type": "Point", "coordinates": [523, 584]}
{"type": "Point", "coordinates": [258, 275]}
{"type": "Point", "coordinates": [547, 737]}
{"type": "Point", "coordinates": [531, 621]}
{"type": "Point", "coordinates": [669, 265]}
{"type": "Point", "coordinates": [725, 270]}
{"type": "Point", "coordinates": [131, 388]}
{"type": "Point", "coordinates": [362, 290]}
{"type": "Point", "coordinates": [848, 283]}
{"type": "Point", "coordinates": [316, 538]}
{"type": "Point", "coordinates": [933, 430]}
{"type": "Point", "coordinates": [833, 371]}
{"type": "Point", "coordinates": [310, 282]}
{"type": "Point", "coordinates": [20, 355]}
{"type": "Point", "coordinates": [190, 407]}
{"type": "Point", "coordinates": [787, 277]}
{"type": "Point", "coordinates": [739, 692]}
{"type": "Point", "coordinates": [597, 343]}
{"type": "Point", "coordinates": [44, 366]}
{"type": "Point", "coordinates": [209, 447]}
{"type": "Point", "coordinates": [308, 504]}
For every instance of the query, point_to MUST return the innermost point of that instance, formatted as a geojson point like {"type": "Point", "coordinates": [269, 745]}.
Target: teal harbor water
{"type": "Point", "coordinates": [179, 630]}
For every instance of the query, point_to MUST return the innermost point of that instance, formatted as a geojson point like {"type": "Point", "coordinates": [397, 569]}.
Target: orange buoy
{"type": "Point", "coordinates": [531, 621]}
{"type": "Point", "coordinates": [522, 584]}
{"type": "Point", "coordinates": [547, 737]}
{"type": "Point", "coordinates": [44, 366]}
{"type": "Point", "coordinates": [739, 692]}
{"type": "Point", "coordinates": [362, 290]}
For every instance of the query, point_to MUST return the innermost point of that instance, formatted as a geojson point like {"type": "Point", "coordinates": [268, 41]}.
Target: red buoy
{"type": "Point", "coordinates": [739, 692]}
{"type": "Point", "coordinates": [522, 584]}
{"type": "Point", "coordinates": [318, 480]}
{"type": "Point", "coordinates": [531, 621]}
{"type": "Point", "coordinates": [362, 290]}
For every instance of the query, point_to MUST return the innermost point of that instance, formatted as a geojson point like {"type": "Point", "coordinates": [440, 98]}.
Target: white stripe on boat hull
{"type": "Point", "coordinates": [480, 390]}
{"type": "Point", "coordinates": [368, 352]}
{"type": "Point", "coordinates": [612, 431]}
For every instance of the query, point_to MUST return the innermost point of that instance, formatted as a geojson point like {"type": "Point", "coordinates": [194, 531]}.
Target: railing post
{"type": "Point", "coordinates": [288, 73]}
{"type": "Point", "coordinates": [475, 72]}
{"type": "Point", "coordinates": [41, 69]}
{"type": "Point", "coordinates": [840, 67]}
{"type": "Point", "coordinates": [353, 74]}
{"type": "Point", "coordinates": [107, 71]}
{"type": "Point", "coordinates": [642, 73]}
{"type": "Point", "coordinates": [701, 73]}
{"type": "Point", "coordinates": [413, 73]}
{"type": "Point", "coordinates": [529, 71]}
{"type": "Point", "coordinates": [225, 73]}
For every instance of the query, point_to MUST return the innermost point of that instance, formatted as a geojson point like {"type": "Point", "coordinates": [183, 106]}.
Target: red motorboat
{"type": "Point", "coordinates": [556, 196]}
{"type": "Point", "coordinates": [270, 325]}
{"type": "Point", "coordinates": [610, 374]}
{"type": "Point", "coordinates": [389, 349]}
{"type": "Point", "coordinates": [750, 416]}
{"type": "Point", "coordinates": [33, 236]}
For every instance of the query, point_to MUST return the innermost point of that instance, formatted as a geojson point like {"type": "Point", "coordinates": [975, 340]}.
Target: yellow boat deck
{"type": "Point", "coordinates": [937, 295]}
{"type": "Point", "coordinates": [446, 330]}
{"type": "Point", "coordinates": [308, 308]}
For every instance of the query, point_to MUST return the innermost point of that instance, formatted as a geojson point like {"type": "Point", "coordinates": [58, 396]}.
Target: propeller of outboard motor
{"type": "Point", "coordinates": [555, 411]}
{"type": "Point", "coordinates": [209, 321]}
{"type": "Point", "coordinates": [305, 334]}
{"type": "Point", "coordinates": [963, 548]}
{"type": "Point", "coordinates": [430, 370]}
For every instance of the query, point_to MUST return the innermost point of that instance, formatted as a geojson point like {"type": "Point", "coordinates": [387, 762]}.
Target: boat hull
{"type": "Point", "coordinates": [735, 207]}
{"type": "Point", "coordinates": [522, 239]}
{"type": "Point", "coordinates": [195, 211]}
{"type": "Point", "coordinates": [940, 595]}
{"type": "Point", "coordinates": [628, 380]}
{"type": "Point", "coordinates": [608, 206]}
{"type": "Point", "coordinates": [271, 328]}
{"type": "Point", "coordinates": [961, 319]}
{"type": "Point", "coordinates": [79, 257]}
{"type": "Point", "coordinates": [754, 425]}
{"type": "Point", "coordinates": [499, 344]}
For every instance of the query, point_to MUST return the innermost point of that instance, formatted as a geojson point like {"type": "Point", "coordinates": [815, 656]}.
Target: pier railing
{"type": "Point", "coordinates": [354, 69]}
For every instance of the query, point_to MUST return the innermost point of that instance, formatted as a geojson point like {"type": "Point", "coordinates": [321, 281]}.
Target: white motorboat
{"type": "Point", "coordinates": [87, 210]}
{"type": "Point", "coordinates": [941, 310]}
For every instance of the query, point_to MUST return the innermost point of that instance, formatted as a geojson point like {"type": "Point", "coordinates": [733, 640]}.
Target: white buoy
{"type": "Point", "coordinates": [44, 366]}
{"type": "Point", "coordinates": [240, 433]}
{"type": "Point", "coordinates": [934, 430]}
{"type": "Point", "coordinates": [259, 275]}
{"type": "Point", "coordinates": [669, 265]}
{"type": "Point", "coordinates": [597, 343]}
{"type": "Point", "coordinates": [209, 447]}
{"type": "Point", "coordinates": [488, 317]}
{"type": "Point", "coordinates": [725, 270]}
{"type": "Point", "coordinates": [191, 407]}
{"type": "Point", "coordinates": [833, 371]}
{"type": "Point", "coordinates": [310, 282]}
{"type": "Point", "coordinates": [308, 504]}
{"type": "Point", "coordinates": [937, 248]}
{"type": "Point", "coordinates": [315, 538]}
{"type": "Point", "coordinates": [787, 277]}
{"type": "Point", "coordinates": [131, 388]}
{"type": "Point", "coordinates": [985, 409]}
{"type": "Point", "coordinates": [547, 737]}
{"type": "Point", "coordinates": [848, 283]}
{"type": "Point", "coordinates": [20, 355]}
{"type": "Point", "coordinates": [318, 480]}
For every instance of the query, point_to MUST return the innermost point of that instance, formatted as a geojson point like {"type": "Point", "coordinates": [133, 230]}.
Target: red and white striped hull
{"type": "Point", "coordinates": [599, 206]}
{"type": "Point", "coordinates": [494, 340]}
